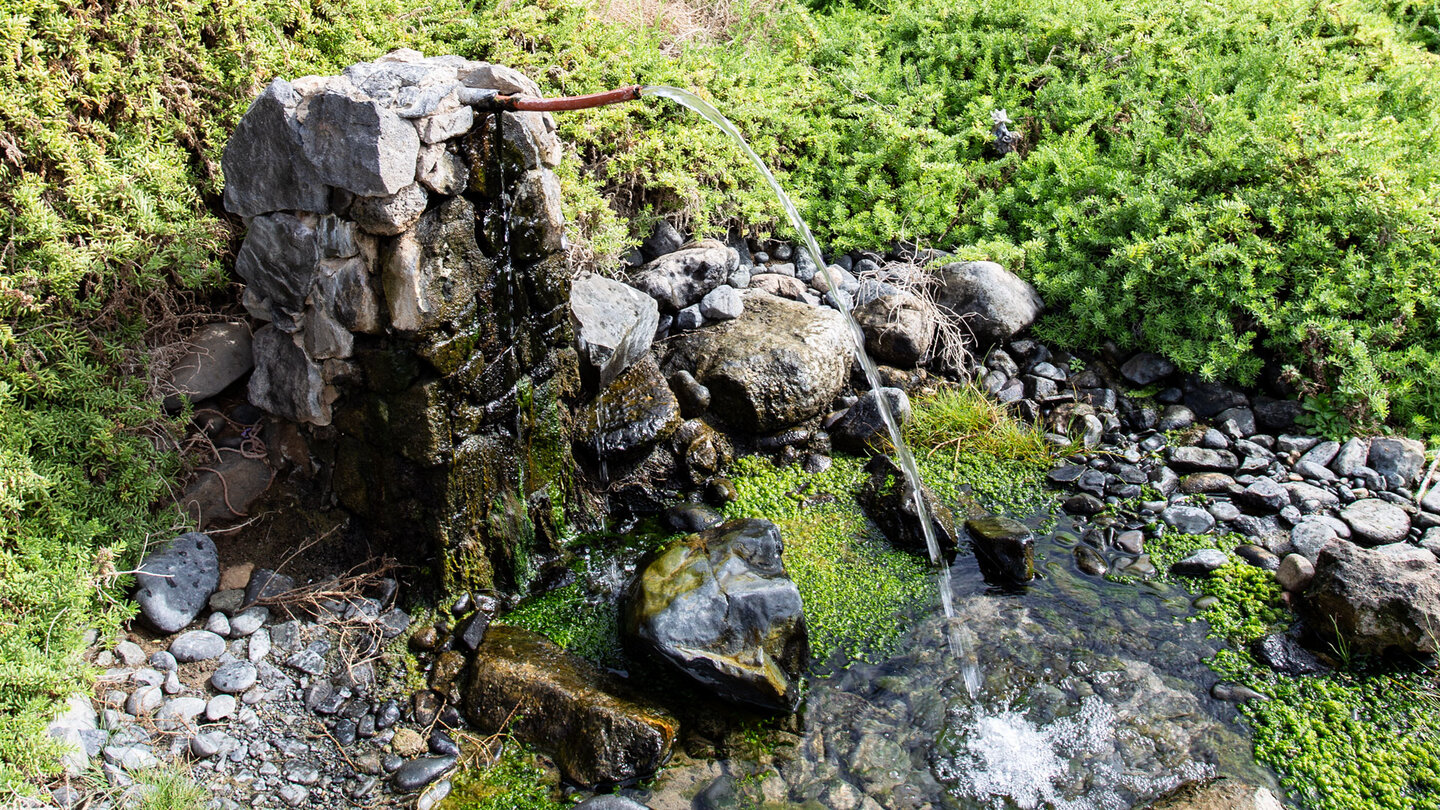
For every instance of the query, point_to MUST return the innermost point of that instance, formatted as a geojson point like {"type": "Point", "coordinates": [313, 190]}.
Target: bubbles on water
{"type": "Point", "coordinates": [1003, 759]}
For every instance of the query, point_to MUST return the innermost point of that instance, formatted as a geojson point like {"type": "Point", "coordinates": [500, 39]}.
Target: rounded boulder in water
{"type": "Point", "coordinates": [175, 581]}
{"type": "Point", "coordinates": [719, 606]}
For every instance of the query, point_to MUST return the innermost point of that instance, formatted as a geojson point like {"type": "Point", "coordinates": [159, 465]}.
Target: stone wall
{"type": "Point", "coordinates": [414, 291]}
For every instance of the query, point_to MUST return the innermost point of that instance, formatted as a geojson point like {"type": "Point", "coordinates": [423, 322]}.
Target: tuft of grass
{"type": "Point", "coordinates": [956, 419]}
{"type": "Point", "coordinates": [166, 788]}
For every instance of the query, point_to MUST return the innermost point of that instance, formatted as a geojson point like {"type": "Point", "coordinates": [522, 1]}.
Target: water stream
{"type": "Point", "coordinates": [903, 457]}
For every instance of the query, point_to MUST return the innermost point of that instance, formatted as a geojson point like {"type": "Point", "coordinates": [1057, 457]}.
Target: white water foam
{"type": "Point", "coordinates": [1008, 761]}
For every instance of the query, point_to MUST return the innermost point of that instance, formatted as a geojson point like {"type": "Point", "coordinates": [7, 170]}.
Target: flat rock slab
{"type": "Point", "coordinates": [1375, 522]}
{"type": "Point", "coordinates": [224, 491]}
{"type": "Point", "coordinates": [197, 645]}
{"type": "Point", "coordinates": [572, 710]}
{"type": "Point", "coordinates": [174, 582]}
{"type": "Point", "coordinates": [216, 356]}
{"type": "Point", "coordinates": [1006, 548]}
{"type": "Point", "coordinates": [614, 323]}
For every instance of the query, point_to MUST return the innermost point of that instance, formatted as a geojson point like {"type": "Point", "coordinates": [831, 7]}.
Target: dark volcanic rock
{"type": "Point", "coordinates": [572, 711]}
{"type": "Point", "coordinates": [1005, 546]}
{"type": "Point", "coordinates": [1373, 600]}
{"type": "Point", "coordinates": [174, 582]}
{"type": "Point", "coordinates": [629, 416]}
{"type": "Point", "coordinates": [862, 423]}
{"type": "Point", "coordinates": [719, 606]}
{"type": "Point", "coordinates": [889, 500]}
{"type": "Point", "coordinates": [1285, 655]}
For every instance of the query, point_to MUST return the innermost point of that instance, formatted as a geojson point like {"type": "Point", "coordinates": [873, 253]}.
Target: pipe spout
{"type": "Point", "coordinates": [526, 104]}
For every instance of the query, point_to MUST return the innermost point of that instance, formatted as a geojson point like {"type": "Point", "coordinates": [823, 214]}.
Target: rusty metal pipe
{"type": "Point", "coordinates": [526, 104]}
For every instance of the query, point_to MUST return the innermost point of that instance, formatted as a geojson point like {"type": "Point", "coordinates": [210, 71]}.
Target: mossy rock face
{"type": "Point", "coordinates": [523, 683]}
{"type": "Point", "coordinates": [719, 606]}
{"type": "Point", "coordinates": [629, 416]}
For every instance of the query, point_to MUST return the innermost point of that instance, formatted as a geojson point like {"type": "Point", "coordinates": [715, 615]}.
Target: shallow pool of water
{"type": "Point", "coordinates": [1093, 695]}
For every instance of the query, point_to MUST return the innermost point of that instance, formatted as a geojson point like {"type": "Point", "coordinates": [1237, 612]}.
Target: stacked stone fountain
{"type": "Point", "coordinates": [408, 266]}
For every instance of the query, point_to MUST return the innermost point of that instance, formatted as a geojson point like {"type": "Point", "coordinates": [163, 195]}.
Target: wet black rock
{"type": "Point", "coordinates": [265, 584]}
{"type": "Point", "coordinates": [629, 416]}
{"type": "Point", "coordinates": [174, 582]}
{"type": "Point", "coordinates": [1005, 548]}
{"type": "Point", "coordinates": [1090, 561]}
{"type": "Point", "coordinates": [889, 500]}
{"type": "Point", "coordinates": [1146, 368]}
{"type": "Point", "coordinates": [1083, 504]}
{"type": "Point", "coordinates": [719, 606]}
{"type": "Point", "coordinates": [417, 773]}
{"type": "Point", "coordinates": [1208, 399]}
{"type": "Point", "coordinates": [474, 633]}
{"type": "Point", "coordinates": [862, 424]}
{"type": "Point", "coordinates": [1258, 557]}
{"type": "Point", "coordinates": [1200, 563]}
{"type": "Point", "coordinates": [1285, 655]}
{"type": "Point", "coordinates": [691, 517]}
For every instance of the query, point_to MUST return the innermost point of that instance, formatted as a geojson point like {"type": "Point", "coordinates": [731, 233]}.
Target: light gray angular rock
{"type": "Point", "coordinates": [197, 645]}
{"type": "Point", "coordinates": [1302, 493]}
{"type": "Point", "coordinates": [131, 757]}
{"type": "Point", "coordinates": [1404, 551]}
{"type": "Point", "coordinates": [1200, 459]}
{"type": "Point", "coordinates": [722, 304]}
{"type": "Point", "coordinates": [248, 621]}
{"type": "Point", "coordinates": [1311, 535]}
{"type": "Point", "coordinates": [219, 707]}
{"type": "Point", "coordinates": [1321, 454]}
{"type": "Point", "coordinates": [286, 382]}
{"type": "Point", "coordinates": [278, 261]}
{"type": "Point", "coordinates": [1431, 502]}
{"type": "Point", "coordinates": [781, 362]}
{"type": "Point", "coordinates": [218, 623]}
{"type": "Point", "coordinates": [182, 709]}
{"type": "Point", "coordinates": [1375, 522]}
{"type": "Point", "coordinates": [347, 291]}
{"type": "Point", "coordinates": [174, 582]}
{"type": "Point", "coordinates": [503, 78]}
{"type": "Point", "coordinates": [1375, 602]}
{"type": "Point", "coordinates": [998, 303]}
{"type": "Point", "coordinates": [259, 646]}
{"type": "Point", "coordinates": [144, 700]}
{"type": "Point", "coordinates": [216, 355]}
{"type": "Point", "coordinates": [1392, 455]}
{"type": "Point", "coordinates": [1265, 495]}
{"type": "Point", "coordinates": [614, 324]}
{"type": "Point", "coordinates": [264, 164]}
{"type": "Point", "coordinates": [356, 144]}
{"type": "Point", "coordinates": [445, 123]}
{"type": "Point", "coordinates": [679, 279]}
{"type": "Point", "coordinates": [441, 170]}
{"type": "Point", "coordinates": [392, 214]}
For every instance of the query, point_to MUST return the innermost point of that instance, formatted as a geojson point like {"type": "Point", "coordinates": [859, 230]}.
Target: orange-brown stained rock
{"type": "Point", "coordinates": [566, 708]}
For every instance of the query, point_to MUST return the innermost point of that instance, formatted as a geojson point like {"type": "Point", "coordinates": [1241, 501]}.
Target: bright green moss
{"type": "Point", "coordinates": [515, 782]}
{"type": "Point", "coordinates": [856, 589]}
{"type": "Point", "coordinates": [581, 623]}
{"type": "Point", "coordinates": [1247, 603]}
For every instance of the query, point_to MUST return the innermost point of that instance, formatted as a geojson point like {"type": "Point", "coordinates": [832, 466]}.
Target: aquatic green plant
{"type": "Point", "coordinates": [856, 589]}
{"type": "Point", "coordinates": [575, 619]}
{"type": "Point", "coordinates": [514, 782]}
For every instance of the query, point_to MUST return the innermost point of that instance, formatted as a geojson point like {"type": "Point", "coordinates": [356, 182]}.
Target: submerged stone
{"type": "Point", "coordinates": [1216, 794]}
{"type": "Point", "coordinates": [719, 606]}
{"type": "Point", "coordinates": [1006, 547]}
{"type": "Point", "coordinates": [572, 710]}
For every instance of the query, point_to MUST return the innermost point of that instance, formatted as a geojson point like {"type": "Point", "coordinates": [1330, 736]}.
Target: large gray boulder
{"type": "Point", "coordinates": [1374, 522]}
{"type": "Point", "coordinates": [614, 324]}
{"type": "Point", "coordinates": [719, 607]}
{"type": "Point", "coordinates": [1374, 600]}
{"type": "Point", "coordinates": [216, 355]}
{"type": "Point", "coordinates": [175, 581]}
{"type": "Point", "coordinates": [265, 169]}
{"type": "Point", "coordinates": [898, 328]}
{"type": "Point", "coordinates": [996, 303]}
{"type": "Point", "coordinates": [598, 734]}
{"type": "Point", "coordinates": [355, 143]}
{"type": "Point", "coordinates": [781, 362]}
{"type": "Point", "coordinates": [677, 280]}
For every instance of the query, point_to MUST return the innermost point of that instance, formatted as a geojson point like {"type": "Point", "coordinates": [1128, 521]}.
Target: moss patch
{"type": "Point", "coordinates": [856, 589]}
{"type": "Point", "coordinates": [515, 782]}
